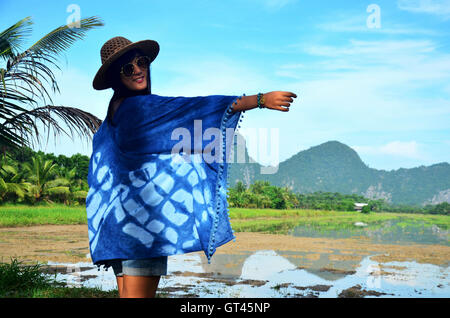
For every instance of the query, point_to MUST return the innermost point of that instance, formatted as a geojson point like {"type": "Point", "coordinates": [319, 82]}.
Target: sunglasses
{"type": "Point", "coordinates": [128, 69]}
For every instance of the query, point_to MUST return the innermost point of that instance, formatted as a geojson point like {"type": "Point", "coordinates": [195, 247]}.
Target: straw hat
{"type": "Point", "coordinates": [113, 49]}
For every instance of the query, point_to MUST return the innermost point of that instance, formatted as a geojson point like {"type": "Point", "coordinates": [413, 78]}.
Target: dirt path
{"type": "Point", "coordinates": [69, 243]}
{"type": "Point", "coordinates": [57, 243]}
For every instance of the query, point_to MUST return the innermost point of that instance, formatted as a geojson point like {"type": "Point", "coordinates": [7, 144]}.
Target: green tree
{"type": "Point", "coordinates": [240, 187]}
{"type": "Point", "coordinates": [25, 98]}
{"type": "Point", "coordinates": [41, 173]}
{"type": "Point", "coordinates": [258, 186]}
{"type": "Point", "coordinates": [365, 209]}
{"type": "Point", "coordinates": [78, 188]}
{"type": "Point", "coordinates": [276, 197]}
{"type": "Point", "coordinates": [12, 185]}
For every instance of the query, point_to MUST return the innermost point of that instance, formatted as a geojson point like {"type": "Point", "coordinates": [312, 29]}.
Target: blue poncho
{"type": "Point", "coordinates": [158, 178]}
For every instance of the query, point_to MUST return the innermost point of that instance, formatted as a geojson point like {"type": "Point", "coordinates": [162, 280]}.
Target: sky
{"type": "Point", "coordinates": [374, 75]}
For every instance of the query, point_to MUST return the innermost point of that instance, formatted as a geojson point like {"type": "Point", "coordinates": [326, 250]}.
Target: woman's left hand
{"type": "Point", "coordinates": [279, 100]}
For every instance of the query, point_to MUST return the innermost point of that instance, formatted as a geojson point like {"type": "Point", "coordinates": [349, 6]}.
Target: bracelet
{"type": "Point", "coordinates": [260, 100]}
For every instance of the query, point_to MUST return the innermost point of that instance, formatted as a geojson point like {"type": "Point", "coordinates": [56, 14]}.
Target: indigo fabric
{"type": "Point", "coordinates": [158, 178]}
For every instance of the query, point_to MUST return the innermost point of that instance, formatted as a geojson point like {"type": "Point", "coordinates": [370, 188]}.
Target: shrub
{"type": "Point", "coordinates": [365, 209]}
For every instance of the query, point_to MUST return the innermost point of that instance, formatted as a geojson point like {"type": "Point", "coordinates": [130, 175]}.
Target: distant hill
{"type": "Point", "coordinates": [335, 167]}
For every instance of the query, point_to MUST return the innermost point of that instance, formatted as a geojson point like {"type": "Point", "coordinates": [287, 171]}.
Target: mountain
{"type": "Point", "coordinates": [335, 167]}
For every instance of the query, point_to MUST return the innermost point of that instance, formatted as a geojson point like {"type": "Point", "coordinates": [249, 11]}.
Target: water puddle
{"type": "Point", "coordinates": [391, 231]}
{"type": "Point", "coordinates": [267, 274]}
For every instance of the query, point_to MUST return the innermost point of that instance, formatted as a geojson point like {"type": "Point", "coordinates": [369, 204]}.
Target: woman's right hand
{"type": "Point", "coordinates": [279, 100]}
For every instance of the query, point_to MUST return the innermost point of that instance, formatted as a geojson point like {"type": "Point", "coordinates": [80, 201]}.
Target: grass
{"type": "Point", "coordinates": [282, 221]}
{"type": "Point", "coordinates": [18, 280]}
{"type": "Point", "coordinates": [243, 220]}
{"type": "Point", "coordinates": [28, 281]}
{"type": "Point", "coordinates": [25, 215]}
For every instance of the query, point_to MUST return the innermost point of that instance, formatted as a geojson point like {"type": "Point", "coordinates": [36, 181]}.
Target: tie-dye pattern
{"type": "Point", "coordinates": [144, 201]}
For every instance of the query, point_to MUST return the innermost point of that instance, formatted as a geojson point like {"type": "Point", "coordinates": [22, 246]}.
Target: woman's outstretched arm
{"type": "Point", "coordinates": [277, 100]}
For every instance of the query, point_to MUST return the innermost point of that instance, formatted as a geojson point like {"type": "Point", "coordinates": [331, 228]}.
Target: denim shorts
{"type": "Point", "coordinates": [140, 267]}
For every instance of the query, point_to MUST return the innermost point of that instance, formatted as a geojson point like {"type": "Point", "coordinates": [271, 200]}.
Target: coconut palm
{"type": "Point", "coordinates": [259, 186]}
{"type": "Point", "coordinates": [25, 97]}
{"type": "Point", "coordinates": [41, 173]}
{"type": "Point", "coordinates": [11, 182]}
{"type": "Point", "coordinates": [78, 187]}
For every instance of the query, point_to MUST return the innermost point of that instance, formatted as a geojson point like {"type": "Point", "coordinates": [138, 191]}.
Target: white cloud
{"type": "Point", "coordinates": [277, 4]}
{"type": "Point", "coordinates": [292, 66]}
{"type": "Point", "coordinates": [354, 88]}
{"type": "Point", "coordinates": [435, 7]}
{"type": "Point", "coordinates": [358, 24]}
{"type": "Point", "coordinates": [403, 149]}
{"type": "Point", "coordinates": [272, 5]}
{"type": "Point", "coordinates": [210, 76]}
{"type": "Point", "coordinates": [389, 65]}
{"type": "Point", "coordinates": [409, 149]}
{"type": "Point", "coordinates": [292, 70]}
{"type": "Point", "coordinates": [363, 102]}
{"type": "Point", "coordinates": [357, 90]}
{"type": "Point", "coordinates": [373, 48]}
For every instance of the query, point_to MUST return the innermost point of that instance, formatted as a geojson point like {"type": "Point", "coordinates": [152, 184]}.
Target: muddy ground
{"type": "Point", "coordinates": [69, 244]}
{"type": "Point", "coordinates": [329, 258]}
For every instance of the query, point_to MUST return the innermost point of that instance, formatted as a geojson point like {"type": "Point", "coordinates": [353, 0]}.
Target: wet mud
{"type": "Point", "coordinates": [323, 262]}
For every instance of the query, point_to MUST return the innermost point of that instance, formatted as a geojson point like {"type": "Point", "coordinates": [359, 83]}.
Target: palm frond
{"type": "Point", "coordinates": [11, 38]}
{"type": "Point", "coordinates": [28, 80]}
{"type": "Point", "coordinates": [58, 182]}
{"type": "Point", "coordinates": [58, 190]}
{"type": "Point", "coordinates": [79, 194]}
{"type": "Point", "coordinates": [27, 70]}
{"type": "Point", "coordinates": [12, 140]}
{"type": "Point", "coordinates": [76, 119]}
{"type": "Point", "coordinates": [64, 36]}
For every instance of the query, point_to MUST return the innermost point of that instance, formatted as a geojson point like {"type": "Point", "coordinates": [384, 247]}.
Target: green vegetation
{"type": "Point", "coordinates": [283, 221]}
{"type": "Point", "coordinates": [29, 177]}
{"type": "Point", "coordinates": [35, 177]}
{"type": "Point", "coordinates": [18, 281]}
{"type": "Point", "coordinates": [365, 209]}
{"type": "Point", "coordinates": [27, 83]}
{"type": "Point", "coordinates": [25, 215]}
{"type": "Point", "coordinates": [21, 281]}
{"type": "Point", "coordinates": [263, 195]}
{"type": "Point", "coordinates": [242, 219]}
{"type": "Point", "coordinates": [336, 167]}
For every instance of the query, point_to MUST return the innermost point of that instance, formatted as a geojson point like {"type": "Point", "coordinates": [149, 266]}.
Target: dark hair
{"type": "Point", "coordinates": [120, 90]}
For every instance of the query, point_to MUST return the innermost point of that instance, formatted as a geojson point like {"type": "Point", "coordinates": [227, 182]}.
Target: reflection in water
{"type": "Point", "coordinates": [277, 276]}
{"type": "Point", "coordinates": [390, 231]}
{"type": "Point", "coordinates": [253, 269]}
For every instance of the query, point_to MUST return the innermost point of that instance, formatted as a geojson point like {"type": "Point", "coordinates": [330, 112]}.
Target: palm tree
{"type": "Point", "coordinates": [11, 182]}
{"type": "Point", "coordinates": [258, 186]}
{"type": "Point", "coordinates": [43, 176]}
{"type": "Point", "coordinates": [240, 187]}
{"type": "Point", "coordinates": [78, 188]}
{"type": "Point", "coordinates": [23, 84]}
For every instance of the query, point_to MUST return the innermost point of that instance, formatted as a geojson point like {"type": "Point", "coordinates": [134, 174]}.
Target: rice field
{"type": "Point", "coordinates": [243, 220]}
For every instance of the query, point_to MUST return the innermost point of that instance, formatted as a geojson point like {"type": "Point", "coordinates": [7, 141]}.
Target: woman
{"type": "Point", "coordinates": [143, 204]}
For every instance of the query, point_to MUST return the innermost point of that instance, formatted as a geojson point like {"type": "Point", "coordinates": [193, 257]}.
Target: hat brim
{"type": "Point", "coordinates": [149, 47]}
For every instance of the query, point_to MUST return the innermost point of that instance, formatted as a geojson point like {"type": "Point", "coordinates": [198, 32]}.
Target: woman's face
{"type": "Point", "coordinates": [138, 80]}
